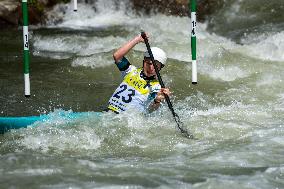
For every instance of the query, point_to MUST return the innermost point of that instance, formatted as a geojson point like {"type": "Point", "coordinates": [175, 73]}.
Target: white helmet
{"type": "Point", "coordinates": [158, 54]}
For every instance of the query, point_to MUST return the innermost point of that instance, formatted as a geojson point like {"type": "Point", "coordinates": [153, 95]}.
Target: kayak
{"type": "Point", "coordinates": [8, 123]}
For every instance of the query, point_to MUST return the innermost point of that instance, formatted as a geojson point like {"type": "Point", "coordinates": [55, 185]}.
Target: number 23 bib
{"type": "Point", "coordinates": [132, 92]}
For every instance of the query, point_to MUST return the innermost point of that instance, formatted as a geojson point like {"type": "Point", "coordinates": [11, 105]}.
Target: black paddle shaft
{"type": "Point", "coordinates": [176, 117]}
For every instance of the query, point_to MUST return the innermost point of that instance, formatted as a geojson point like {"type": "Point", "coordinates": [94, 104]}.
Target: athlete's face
{"type": "Point", "coordinates": [148, 67]}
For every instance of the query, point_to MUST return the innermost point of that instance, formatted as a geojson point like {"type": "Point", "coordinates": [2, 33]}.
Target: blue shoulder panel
{"type": "Point", "coordinates": [123, 64]}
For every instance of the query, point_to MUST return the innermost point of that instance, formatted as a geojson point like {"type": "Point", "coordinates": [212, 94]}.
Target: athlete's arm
{"type": "Point", "coordinates": [160, 97]}
{"type": "Point", "coordinates": [122, 51]}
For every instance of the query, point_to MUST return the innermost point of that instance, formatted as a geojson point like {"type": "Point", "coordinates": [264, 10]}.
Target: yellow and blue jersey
{"type": "Point", "coordinates": [135, 91]}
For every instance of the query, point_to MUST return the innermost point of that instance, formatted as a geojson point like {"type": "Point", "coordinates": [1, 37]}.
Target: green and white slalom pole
{"type": "Point", "coordinates": [193, 41]}
{"type": "Point", "coordinates": [26, 55]}
{"type": "Point", "coordinates": [75, 5]}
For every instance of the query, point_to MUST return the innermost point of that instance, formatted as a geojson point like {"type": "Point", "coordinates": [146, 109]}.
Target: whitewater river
{"type": "Point", "coordinates": [236, 112]}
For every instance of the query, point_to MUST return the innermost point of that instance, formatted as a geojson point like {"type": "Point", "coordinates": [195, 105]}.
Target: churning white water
{"type": "Point", "coordinates": [235, 112]}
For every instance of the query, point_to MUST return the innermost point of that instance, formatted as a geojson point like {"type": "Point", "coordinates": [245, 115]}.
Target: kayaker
{"type": "Point", "coordinates": [140, 88]}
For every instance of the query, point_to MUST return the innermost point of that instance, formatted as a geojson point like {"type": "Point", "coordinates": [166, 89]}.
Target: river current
{"type": "Point", "coordinates": [236, 112]}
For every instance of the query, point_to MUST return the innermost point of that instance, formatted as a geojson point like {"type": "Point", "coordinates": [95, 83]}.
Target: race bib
{"type": "Point", "coordinates": [133, 91]}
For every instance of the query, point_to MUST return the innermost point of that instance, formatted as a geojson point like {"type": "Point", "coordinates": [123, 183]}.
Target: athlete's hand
{"type": "Point", "coordinates": [140, 39]}
{"type": "Point", "coordinates": [161, 95]}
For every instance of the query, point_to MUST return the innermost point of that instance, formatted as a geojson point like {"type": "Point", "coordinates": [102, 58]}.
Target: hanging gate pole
{"type": "Point", "coordinates": [26, 56]}
{"type": "Point", "coordinates": [75, 5]}
{"type": "Point", "coordinates": [193, 40]}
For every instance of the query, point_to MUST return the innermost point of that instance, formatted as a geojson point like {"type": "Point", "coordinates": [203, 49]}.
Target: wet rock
{"type": "Point", "coordinates": [168, 7]}
{"type": "Point", "coordinates": [9, 12]}
{"type": "Point", "coordinates": [206, 8]}
{"type": "Point", "coordinates": [177, 7]}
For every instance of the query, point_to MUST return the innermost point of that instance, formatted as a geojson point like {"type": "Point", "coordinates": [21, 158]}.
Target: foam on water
{"type": "Point", "coordinates": [35, 172]}
{"type": "Point", "coordinates": [168, 32]}
{"type": "Point", "coordinates": [224, 73]}
{"type": "Point", "coordinates": [99, 15]}
{"type": "Point", "coordinates": [235, 113]}
{"type": "Point", "coordinates": [268, 79]}
{"type": "Point", "coordinates": [93, 61]}
{"type": "Point", "coordinates": [270, 47]}
{"type": "Point", "coordinates": [75, 44]}
{"type": "Point", "coordinates": [106, 134]}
